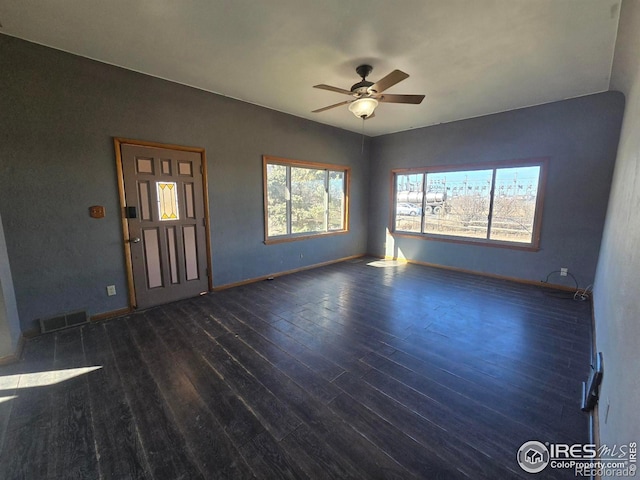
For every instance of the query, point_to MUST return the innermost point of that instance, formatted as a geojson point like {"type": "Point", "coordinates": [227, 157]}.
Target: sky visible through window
{"type": "Point", "coordinates": [523, 178]}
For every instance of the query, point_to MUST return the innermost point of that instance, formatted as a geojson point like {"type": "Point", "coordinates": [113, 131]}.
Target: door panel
{"type": "Point", "coordinates": [167, 226]}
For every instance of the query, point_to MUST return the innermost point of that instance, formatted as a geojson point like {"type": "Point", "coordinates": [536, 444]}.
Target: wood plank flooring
{"type": "Point", "coordinates": [360, 370]}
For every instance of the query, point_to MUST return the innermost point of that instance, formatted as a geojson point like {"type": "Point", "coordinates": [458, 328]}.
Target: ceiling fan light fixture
{"type": "Point", "coordinates": [363, 107]}
{"type": "Point", "coordinates": [367, 94]}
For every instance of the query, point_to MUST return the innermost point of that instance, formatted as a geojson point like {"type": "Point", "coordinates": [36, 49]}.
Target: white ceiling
{"type": "Point", "coordinates": [469, 57]}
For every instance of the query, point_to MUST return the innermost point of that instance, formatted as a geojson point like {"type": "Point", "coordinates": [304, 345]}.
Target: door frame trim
{"type": "Point", "coordinates": [118, 142]}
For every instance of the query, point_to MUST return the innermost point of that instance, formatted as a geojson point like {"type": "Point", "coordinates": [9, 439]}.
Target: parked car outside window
{"type": "Point", "coordinates": [408, 209]}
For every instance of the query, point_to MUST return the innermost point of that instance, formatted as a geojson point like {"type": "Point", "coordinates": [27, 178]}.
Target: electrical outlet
{"type": "Point", "coordinates": [111, 290]}
{"type": "Point", "coordinates": [564, 271]}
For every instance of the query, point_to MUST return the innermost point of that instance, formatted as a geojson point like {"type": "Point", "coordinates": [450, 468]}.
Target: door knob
{"type": "Point", "coordinates": [134, 240]}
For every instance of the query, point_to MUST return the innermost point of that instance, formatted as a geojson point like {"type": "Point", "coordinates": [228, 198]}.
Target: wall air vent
{"type": "Point", "coordinates": [64, 320]}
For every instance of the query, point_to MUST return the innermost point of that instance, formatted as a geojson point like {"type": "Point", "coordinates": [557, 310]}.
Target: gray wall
{"type": "Point", "coordinates": [59, 115]}
{"type": "Point", "coordinates": [616, 301]}
{"type": "Point", "coordinates": [580, 137]}
{"type": "Point", "coordinates": [9, 321]}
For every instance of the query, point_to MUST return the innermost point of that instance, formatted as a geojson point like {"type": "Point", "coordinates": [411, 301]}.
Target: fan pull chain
{"type": "Point", "coordinates": [362, 148]}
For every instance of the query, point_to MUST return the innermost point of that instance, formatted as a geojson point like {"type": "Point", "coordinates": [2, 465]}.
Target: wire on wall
{"type": "Point", "coordinates": [583, 295]}
{"type": "Point", "coordinates": [580, 294]}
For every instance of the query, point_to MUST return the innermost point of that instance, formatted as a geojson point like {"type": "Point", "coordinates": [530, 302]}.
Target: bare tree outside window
{"type": "Point", "coordinates": [303, 199]}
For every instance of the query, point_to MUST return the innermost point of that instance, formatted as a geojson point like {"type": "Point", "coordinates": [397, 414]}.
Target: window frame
{"type": "Point", "coordinates": [534, 245]}
{"type": "Point", "coordinates": [327, 167]}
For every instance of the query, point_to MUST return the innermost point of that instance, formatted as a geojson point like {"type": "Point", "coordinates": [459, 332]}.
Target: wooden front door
{"type": "Point", "coordinates": [165, 221]}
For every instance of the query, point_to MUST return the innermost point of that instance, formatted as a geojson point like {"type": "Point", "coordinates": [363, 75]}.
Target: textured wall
{"type": "Point", "coordinates": [580, 136]}
{"type": "Point", "coordinates": [59, 115]}
{"type": "Point", "coordinates": [616, 300]}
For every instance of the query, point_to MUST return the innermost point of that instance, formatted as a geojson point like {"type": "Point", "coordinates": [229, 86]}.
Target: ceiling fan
{"type": "Point", "coordinates": [367, 94]}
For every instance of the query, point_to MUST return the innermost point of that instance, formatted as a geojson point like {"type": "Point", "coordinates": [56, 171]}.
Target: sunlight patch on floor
{"type": "Point", "coordinates": [386, 263]}
{"type": "Point", "coordinates": [42, 379]}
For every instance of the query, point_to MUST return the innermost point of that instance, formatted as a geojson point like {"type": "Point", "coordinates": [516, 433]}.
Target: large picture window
{"type": "Point", "coordinates": [499, 204]}
{"type": "Point", "coordinates": [303, 199]}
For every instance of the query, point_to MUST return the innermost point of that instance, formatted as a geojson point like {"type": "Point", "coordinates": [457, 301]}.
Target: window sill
{"type": "Point", "coordinates": [302, 236]}
{"type": "Point", "coordinates": [469, 241]}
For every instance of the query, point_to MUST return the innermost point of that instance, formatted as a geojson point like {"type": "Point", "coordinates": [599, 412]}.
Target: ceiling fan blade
{"type": "Point", "coordinates": [387, 82]}
{"type": "Point", "coordinates": [331, 106]}
{"type": "Point", "coordinates": [415, 99]}
{"type": "Point", "coordinates": [333, 89]}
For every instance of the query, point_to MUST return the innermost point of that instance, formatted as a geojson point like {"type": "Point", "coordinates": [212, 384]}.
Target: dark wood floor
{"type": "Point", "coordinates": [347, 371]}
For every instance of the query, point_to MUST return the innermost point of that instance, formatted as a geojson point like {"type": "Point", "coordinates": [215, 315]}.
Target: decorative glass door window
{"type": "Point", "coordinates": [167, 201]}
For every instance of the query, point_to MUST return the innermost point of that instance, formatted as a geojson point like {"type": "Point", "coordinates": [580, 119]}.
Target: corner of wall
{"type": "Point", "coordinates": [10, 332]}
{"type": "Point", "coordinates": [615, 301]}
